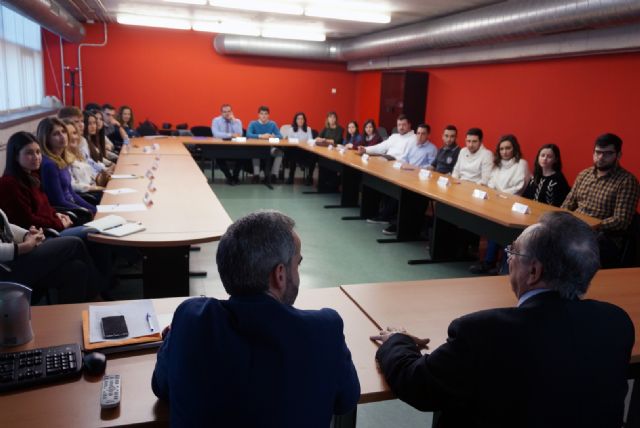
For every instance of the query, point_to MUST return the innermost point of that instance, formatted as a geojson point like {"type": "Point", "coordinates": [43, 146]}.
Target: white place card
{"type": "Point", "coordinates": [157, 157]}
{"type": "Point", "coordinates": [146, 149]}
{"type": "Point", "coordinates": [155, 147]}
{"type": "Point", "coordinates": [311, 142]}
{"type": "Point", "coordinates": [480, 194]}
{"type": "Point", "coordinates": [147, 199]}
{"type": "Point", "coordinates": [444, 181]}
{"type": "Point", "coordinates": [365, 158]}
{"type": "Point", "coordinates": [294, 140]}
{"type": "Point", "coordinates": [155, 165]}
{"type": "Point", "coordinates": [330, 147]}
{"type": "Point", "coordinates": [274, 140]}
{"type": "Point", "coordinates": [397, 165]}
{"type": "Point", "coordinates": [424, 174]}
{"type": "Point", "coordinates": [121, 208]}
{"type": "Point", "coordinates": [121, 191]}
{"type": "Point", "coordinates": [151, 187]}
{"type": "Point", "coordinates": [342, 150]}
{"type": "Point", "coordinates": [149, 175]}
{"type": "Point", "coordinates": [123, 176]}
{"type": "Point", "coordinates": [239, 139]}
{"type": "Point", "coordinates": [520, 208]}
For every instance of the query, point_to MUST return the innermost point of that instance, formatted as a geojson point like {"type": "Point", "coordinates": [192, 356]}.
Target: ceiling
{"type": "Point", "coordinates": [402, 12]}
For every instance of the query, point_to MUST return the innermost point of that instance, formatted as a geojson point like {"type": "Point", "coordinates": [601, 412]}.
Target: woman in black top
{"type": "Point", "coordinates": [548, 185]}
{"type": "Point", "coordinates": [332, 133]}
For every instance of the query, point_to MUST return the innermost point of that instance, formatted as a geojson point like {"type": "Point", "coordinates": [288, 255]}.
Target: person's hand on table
{"type": "Point", "coordinates": [320, 140]}
{"type": "Point", "coordinates": [349, 146]}
{"type": "Point", "coordinates": [361, 150]}
{"type": "Point", "coordinates": [266, 136]}
{"type": "Point", "coordinates": [66, 221]}
{"type": "Point", "coordinates": [384, 335]}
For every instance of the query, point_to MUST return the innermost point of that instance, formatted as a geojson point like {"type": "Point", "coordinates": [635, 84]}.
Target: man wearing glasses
{"type": "Point", "coordinates": [226, 126]}
{"type": "Point", "coordinates": [554, 360]}
{"type": "Point", "coordinates": [608, 192]}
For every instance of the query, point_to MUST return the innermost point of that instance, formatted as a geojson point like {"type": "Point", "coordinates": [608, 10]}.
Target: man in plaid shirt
{"type": "Point", "coordinates": [608, 192]}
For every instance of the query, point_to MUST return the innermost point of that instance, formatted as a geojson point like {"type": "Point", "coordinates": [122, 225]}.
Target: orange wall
{"type": "Point", "coordinates": [568, 102]}
{"type": "Point", "coordinates": [176, 76]}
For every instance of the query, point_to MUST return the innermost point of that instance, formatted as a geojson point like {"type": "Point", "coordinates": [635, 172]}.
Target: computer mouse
{"type": "Point", "coordinates": [94, 363]}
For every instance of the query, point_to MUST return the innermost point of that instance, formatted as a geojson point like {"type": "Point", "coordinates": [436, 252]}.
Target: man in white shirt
{"type": "Point", "coordinates": [475, 162]}
{"type": "Point", "coordinates": [393, 147]}
{"type": "Point", "coordinates": [226, 126]}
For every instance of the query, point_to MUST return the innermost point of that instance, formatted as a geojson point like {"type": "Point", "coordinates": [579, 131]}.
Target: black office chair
{"type": "Point", "coordinates": [630, 255]}
{"type": "Point", "coordinates": [382, 131]}
{"type": "Point", "coordinates": [201, 131]}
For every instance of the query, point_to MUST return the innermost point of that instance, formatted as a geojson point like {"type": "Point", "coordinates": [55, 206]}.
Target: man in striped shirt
{"type": "Point", "coordinates": [608, 192]}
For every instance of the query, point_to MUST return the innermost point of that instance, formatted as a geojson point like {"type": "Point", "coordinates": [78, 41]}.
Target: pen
{"type": "Point", "coordinates": [149, 322]}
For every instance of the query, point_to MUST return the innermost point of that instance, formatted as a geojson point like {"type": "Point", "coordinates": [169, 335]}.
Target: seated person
{"type": "Point", "coordinates": [105, 143]}
{"type": "Point", "coordinates": [532, 365]}
{"type": "Point", "coordinates": [63, 263]}
{"type": "Point", "coordinates": [112, 128]}
{"type": "Point", "coordinates": [608, 192]}
{"type": "Point", "coordinates": [302, 131]}
{"type": "Point", "coordinates": [509, 175]}
{"type": "Point", "coordinates": [353, 139]}
{"type": "Point", "coordinates": [84, 180]}
{"type": "Point", "coordinates": [125, 119]}
{"type": "Point", "coordinates": [475, 162]}
{"type": "Point", "coordinates": [394, 146]}
{"type": "Point", "coordinates": [331, 134]}
{"type": "Point", "coordinates": [254, 360]}
{"type": "Point", "coordinates": [55, 170]}
{"type": "Point", "coordinates": [226, 126]}
{"type": "Point", "coordinates": [448, 154]}
{"type": "Point", "coordinates": [419, 155]}
{"type": "Point", "coordinates": [370, 136]}
{"type": "Point", "coordinates": [548, 184]}
{"type": "Point", "coordinates": [263, 128]}
{"type": "Point", "coordinates": [79, 119]}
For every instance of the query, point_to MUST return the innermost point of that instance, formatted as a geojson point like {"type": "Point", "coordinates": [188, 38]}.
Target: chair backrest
{"type": "Point", "coordinates": [284, 129]}
{"type": "Point", "coordinates": [147, 128]}
{"type": "Point", "coordinates": [383, 132]}
{"type": "Point", "coordinates": [184, 133]}
{"type": "Point", "coordinates": [314, 133]}
{"type": "Point", "coordinates": [182, 126]}
{"type": "Point", "coordinates": [201, 131]}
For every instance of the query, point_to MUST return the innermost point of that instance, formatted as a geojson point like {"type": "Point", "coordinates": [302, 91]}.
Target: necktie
{"type": "Point", "coordinates": [228, 122]}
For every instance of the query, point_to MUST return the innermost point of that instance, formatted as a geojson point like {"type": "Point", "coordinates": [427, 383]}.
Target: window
{"type": "Point", "coordinates": [21, 73]}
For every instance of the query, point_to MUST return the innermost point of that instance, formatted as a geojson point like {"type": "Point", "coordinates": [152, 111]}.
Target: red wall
{"type": "Point", "coordinates": [568, 102]}
{"type": "Point", "coordinates": [176, 76]}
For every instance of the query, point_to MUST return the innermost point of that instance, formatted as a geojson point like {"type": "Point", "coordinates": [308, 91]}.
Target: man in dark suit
{"type": "Point", "coordinates": [553, 361]}
{"type": "Point", "coordinates": [254, 360]}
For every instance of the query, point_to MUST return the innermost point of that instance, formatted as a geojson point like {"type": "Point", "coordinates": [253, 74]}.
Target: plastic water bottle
{"type": "Point", "coordinates": [125, 146]}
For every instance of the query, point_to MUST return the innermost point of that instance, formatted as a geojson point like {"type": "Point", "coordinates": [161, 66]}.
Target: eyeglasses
{"type": "Point", "coordinates": [604, 153]}
{"type": "Point", "coordinates": [510, 252]}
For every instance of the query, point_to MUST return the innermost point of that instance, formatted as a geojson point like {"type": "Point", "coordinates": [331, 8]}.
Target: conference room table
{"type": "Point", "coordinates": [362, 181]}
{"type": "Point", "coordinates": [75, 403]}
{"type": "Point", "coordinates": [426, 308]}
{"type": "Point", "coordinates": [170, 196]}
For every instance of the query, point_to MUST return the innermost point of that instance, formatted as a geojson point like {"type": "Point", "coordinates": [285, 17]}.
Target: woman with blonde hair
{"type": "Point", "coordinates": [83, 177]}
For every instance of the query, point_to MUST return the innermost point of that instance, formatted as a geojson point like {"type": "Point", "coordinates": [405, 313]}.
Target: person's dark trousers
{"type": "Point", "coordinates": [222, 164]}
{"type": "Point", "coordinates": [59, 263]}
{"type": "Point", "coordinates": [389, 209]}
{"type": "Point", "coordinates": [304, 159]}
{"type": "Point", "coordinates": [610, 251]}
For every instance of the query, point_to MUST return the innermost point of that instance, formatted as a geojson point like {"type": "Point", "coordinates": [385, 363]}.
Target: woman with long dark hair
{"type": "Point", "coordinates": [302, 131]}
{"type": "Point", "coordinates": [548, 184]}
{"type": "Point", "coordinates": [370, 135]}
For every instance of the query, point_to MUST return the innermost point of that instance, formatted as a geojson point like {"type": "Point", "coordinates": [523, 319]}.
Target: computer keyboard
{"type": "Point", "coordinates": [36, 366]}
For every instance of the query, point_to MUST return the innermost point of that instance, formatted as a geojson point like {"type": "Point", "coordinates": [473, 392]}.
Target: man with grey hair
{"type": "Point", "coordinates": [555, 360]}
{"type": "Point", "coordinates": [254, 360]}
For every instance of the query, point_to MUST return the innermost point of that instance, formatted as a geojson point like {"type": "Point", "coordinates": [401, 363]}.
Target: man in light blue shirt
{"type": "Point", "coordinates": [423, 152]}
{"type": "Point", "coordinates": [263, 128]}
{"type": "Point", "coordinates": [226, 126]}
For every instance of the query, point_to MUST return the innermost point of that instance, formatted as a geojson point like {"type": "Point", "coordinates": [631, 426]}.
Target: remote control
{"type": "Point", "coordinates": [110, 394]}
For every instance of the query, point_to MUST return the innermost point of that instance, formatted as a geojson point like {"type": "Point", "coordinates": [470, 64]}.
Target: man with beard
{"type": "Point", "coordinates": [255, 360]}
{"type": "Point", "coordinates": [608, 192]}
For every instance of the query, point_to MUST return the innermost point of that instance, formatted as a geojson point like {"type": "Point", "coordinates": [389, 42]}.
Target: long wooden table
{"type": "Point", "coordinates": [75, 403]}
{"type": "Point", "coordinates": [184, 211]}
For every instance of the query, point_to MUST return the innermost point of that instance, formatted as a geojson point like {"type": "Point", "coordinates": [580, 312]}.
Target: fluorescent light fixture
{"type": "Point", "coordinates": [347, 14]}
{"type": "Point", "coordinates": [197, 2]}
{"type": "Point", "coordinates": [241, 28]}
{"type": "Point", "coordinates": [293, 33]}
{"type": "Point", "coordinates": [260, 6]}
{"type": "Point", "coordinates": [152, 21]}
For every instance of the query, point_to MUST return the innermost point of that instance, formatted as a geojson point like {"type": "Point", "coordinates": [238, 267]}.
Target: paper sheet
{"type": "Point", "coordinates": [121, 191]}
{"type": "Point", "coordinates": [129, 176]}
{"type": "Point", "coordinates": [135, 315]}
{"type": "Point", "coordinates": [121, 208]}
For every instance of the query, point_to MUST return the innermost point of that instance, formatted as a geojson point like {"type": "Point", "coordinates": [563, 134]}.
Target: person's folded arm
{"type": "Point", "coordinates": [624, 208]}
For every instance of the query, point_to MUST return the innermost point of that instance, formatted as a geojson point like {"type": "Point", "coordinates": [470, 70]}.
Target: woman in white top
{"type": "Point", "coordinates": [509, 175]}
{"type": "Point", "coordinates": [300, 130]}
{"type": "Point", "coordinates": [83, 177]}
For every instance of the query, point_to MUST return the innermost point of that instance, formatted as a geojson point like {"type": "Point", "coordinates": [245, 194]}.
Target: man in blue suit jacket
{"type": "Point", "coordinates": [555, 360]}
{"type": "Point", "coordinates": [255, 360]}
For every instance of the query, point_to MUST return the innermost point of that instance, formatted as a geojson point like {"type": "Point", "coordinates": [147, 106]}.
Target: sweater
{"type": "Point", "coordinates": [551, 190]}
{"type": "Point", "coordinates": [27, 206]}
{"type": "Point", "coordinates": [510, 176]}
{"type": "Point", "coordinates": [256, 128]}
{"type": "Point", "coordinates": [82, 176]}
{"type": "Point", "coordinates": [394, 146]}
{"type": "Point", "coordinates": [334, 134]}
{"type": "Point", "coordinates": [56, 183]}
{"type": "Point", "coordinates": [10, 236]}
{"type": "Point", "coordinates": [474, 167]}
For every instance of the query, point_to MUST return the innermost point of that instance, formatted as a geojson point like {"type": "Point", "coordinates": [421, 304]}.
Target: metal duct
{"type": "Point", "coordinates": [619, 39]}
{"type": "Point", "coordinates": [50, 15]}
{"type": "Point", "coordinates": [246, 45]}
{"type": "Point", "coordinates": [502, 22]}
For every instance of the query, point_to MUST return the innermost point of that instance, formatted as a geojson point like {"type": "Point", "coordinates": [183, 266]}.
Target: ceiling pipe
{"type": "Point", "coordinates": [50, 15]}
{"type": "Point", "coordinates": [498, 23]}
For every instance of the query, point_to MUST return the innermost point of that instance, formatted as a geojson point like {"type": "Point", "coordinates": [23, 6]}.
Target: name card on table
{"type": "Point", "coordinates": [155, 165]}
{"type": "Point", "coordinates": [397, 165]}
{"type": "Point", "coordinates": [342, 150]}
{"type": "Point", "coordinates": [274, 140]}
{"type": "Point", "coordinates": [151, 187]}
{"type": "Point", "coordinates": [365, 158]}
{"type": "Point", "coordinates": [155, 147]}
{"type": "Point", "coordinates": [444, 182]}
{"type": "Point", "coordinates": [147, 199]}
{"type": "Point", "coordinates": [480, 194]}
{"type": "Point", "coordinates": [520, 208]}
{"type": "Point", "coordinates": [311, 142]}
{"type": "Point", "coordinates": [157, 157]}
{"type": "Point", "coordinates": [294, 140]}
{"type": "Point", "coordinates": [149, 175]}
{"type": "Point", "coordinates": [424, 174]}
{"type": "Point", "coordinates": [330, 147]}
{"type": "Point", "coordinates": [146, 149]}
{"type": "Point", "coordinates": [239, 139]}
